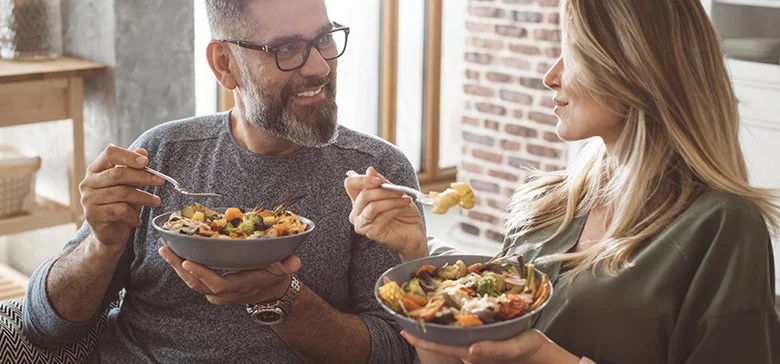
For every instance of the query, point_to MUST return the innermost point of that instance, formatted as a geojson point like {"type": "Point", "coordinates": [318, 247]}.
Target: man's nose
{"type": "Point", "coordinates": [315, 66]}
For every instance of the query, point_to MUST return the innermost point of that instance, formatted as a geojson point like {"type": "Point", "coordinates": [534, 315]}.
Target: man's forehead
{"type": "Point", "coordinates": [273, 19]}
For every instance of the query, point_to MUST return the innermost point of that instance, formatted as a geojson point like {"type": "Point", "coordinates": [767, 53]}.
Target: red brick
{"type": "Point", "coordinates": [472, 168]}
{"type": "Point", "coordinates": [541, 151]}
{"type": "Point", "coordinates": [517, 63]}
{"type": "Point", "coordinates": [478, 90]}
{"type": "Point", "coordinates": [553, 52]}
{"type": "Point", "coordinates": [553, 168]}
{"type": "Point", "coordinates": [532, 82]}
{"type": "Point", "coordinates": [547, 35]}
{"type": "Point", "coordinates": [491, 44]}
{"type": "Point", "coordinates": [499, 77]}
{"type": "Point", "coordinates": [510, 145]}
{"type": "Point", "coordinates": [518, 114]}
{"type": "Point", "coordinates": [503, 175]}
{"type": "Point", "coordinates": [508, 192]}
{"type": "Point", "coordinates": [519, 1]}
{"type": "Point", "coordinates": [474, 27]}
{"type": "Point", "coordinates": [472, 75]}
{"type": "Point", "coordinates": [520, 163]}
{"type": "Point", "coordinates": [497, 204]}
{"type": "Point", "coordinates": [469, 229]}
{"type": "Point", "coordinates": [479, 58]}
{"type": "Point", "coordinates": [516, 97]}
{"type": "Point", "coordinates": [494, 235]}
{"type": "Point", "coordinates": [486, 12]}
{"type": "Point", "coordinates": [552, 137]}
{"type": "Point", "coordinates": [469, 121]}
{"type": "Point", "coordinates": [481, 216]}
{"type": "Point", "coordinates": [543, 118]}
{"type": "Point", "coordinates": [521, 131]}
{"type": "Point", "coordinates": [487, 156]}
{"type": "Point", "coordinates": [542, 67]}
{"type": "Point", "coordinates": [492, 125]}
{"type": "Point", "coordinates": [527, 16]}
{"type": "Point", "coordinates": [552, 18]}
{"type": "Point", "coordinates": [491, 108]}
{"type": "Point", "coordinates": [525, 49]}
{"type": "Point", "coordinates": [548, 3]}
{"type": "Point", "coordinates": [511, 31]}
{"type": "Point", "coordinates": [484, 186]}
{"type": "Point", "coordinates": [478, 139]}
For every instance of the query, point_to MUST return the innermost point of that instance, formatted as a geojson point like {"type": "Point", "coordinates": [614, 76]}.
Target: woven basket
{"type": "Point", "coordinates": [17, 181]}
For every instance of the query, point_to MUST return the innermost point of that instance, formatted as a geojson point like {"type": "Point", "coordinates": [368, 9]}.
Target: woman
{"type": "Point", "coordinates": [658, 248]}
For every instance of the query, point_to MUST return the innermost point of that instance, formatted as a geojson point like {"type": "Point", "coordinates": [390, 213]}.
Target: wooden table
{"type": "Point", "coordinates": [35, 92]}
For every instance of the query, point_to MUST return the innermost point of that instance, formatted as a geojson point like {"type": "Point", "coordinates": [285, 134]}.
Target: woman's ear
{"type": "Point", "coordinates": [219, 58]}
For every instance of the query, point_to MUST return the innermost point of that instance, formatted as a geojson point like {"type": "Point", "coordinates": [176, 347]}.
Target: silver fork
{"type": "Point", "coordinates": [420, 197]}
{"type": "Point", "coordinates": [177, 186]}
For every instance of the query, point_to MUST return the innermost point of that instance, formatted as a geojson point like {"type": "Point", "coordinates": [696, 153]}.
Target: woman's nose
{"type": "Point", "coordinates": [552, 79]}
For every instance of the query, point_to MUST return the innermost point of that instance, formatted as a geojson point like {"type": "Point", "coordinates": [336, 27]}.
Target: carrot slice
{"type": "Point", "coordinates": [426, 268]}
{"type": "Point", "coordinates": [468, 320]}
{"type": "Point", "coordinates": [233, 213]}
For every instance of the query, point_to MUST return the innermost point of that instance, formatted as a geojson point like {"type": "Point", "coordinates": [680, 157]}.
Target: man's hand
{"type": "Point", "coordinates": [388, 217]}
{"type": "Point", "coordinates": [243, 287]}
{"type": "Point", "coordinates": [111, 197]}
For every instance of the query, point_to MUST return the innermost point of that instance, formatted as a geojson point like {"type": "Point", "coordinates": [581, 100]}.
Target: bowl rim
{"type": "Point", "coordinates": [159, 228]}
{"type": "Point", "coordinates": [455, 257]}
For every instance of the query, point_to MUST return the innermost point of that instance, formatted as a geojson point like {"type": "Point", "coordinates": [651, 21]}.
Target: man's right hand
{"type": "Point", "coordinates": [111, 196]}
{"type": "Point", "coordinates": [388, 217]}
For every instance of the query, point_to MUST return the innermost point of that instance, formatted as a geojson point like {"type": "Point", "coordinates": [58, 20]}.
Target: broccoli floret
{"type": "Point", "coordinates": [229, 228]}
{"type": "Point", "coordinates": [488, 285]}
{"type": "Point", "coordinates": [414, 287]}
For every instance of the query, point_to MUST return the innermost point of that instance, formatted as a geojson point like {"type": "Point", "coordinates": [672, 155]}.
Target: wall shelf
{"type": "Point", "coordinates": [34, 92]}
{"type": "Point", "coordinates": [46, 213]}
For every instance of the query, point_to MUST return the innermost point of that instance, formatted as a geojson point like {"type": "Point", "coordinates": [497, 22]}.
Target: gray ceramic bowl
{"type": "Point", "coordinates": [453, 335]}
{"type": "Point", "coordinates": [233, 254]}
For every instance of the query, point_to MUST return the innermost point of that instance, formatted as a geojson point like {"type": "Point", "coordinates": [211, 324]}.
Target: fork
{"type": "Point", "coordinates": [420, 197]}
{"type": "Point", "coordinates": [177, 186]}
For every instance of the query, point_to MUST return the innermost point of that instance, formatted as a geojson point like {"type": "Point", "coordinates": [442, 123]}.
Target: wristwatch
{"type": "Point", "coordinates": [274, 312]}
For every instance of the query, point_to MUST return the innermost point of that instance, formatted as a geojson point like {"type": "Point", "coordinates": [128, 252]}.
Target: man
{"type": "Point", "coordinates": [281, 140]}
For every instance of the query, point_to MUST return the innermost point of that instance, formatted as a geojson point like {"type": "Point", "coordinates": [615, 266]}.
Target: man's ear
{"type": "Point", "coordinates": [218, 56]}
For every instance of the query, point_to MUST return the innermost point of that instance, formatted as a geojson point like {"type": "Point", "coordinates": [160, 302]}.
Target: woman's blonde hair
{"type": "Point", "coordinates": [659, 65]}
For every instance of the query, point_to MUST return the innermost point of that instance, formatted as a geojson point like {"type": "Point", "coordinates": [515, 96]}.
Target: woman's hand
{"type": "Point", "coordinates": [530, 347]}
{"type": "Point", "coordinates": [388, 217]}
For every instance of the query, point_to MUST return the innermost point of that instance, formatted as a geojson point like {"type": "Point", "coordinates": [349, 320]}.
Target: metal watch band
{"type": "Point", "coordinates": [272, 313]}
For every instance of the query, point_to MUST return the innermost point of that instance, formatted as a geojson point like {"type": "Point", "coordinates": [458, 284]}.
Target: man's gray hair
{"type": "Point", "coordinates": [227, 18]}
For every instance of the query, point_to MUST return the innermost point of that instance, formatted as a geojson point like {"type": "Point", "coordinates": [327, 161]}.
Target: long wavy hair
{"type": "Point", "coordinates": [659, 64]}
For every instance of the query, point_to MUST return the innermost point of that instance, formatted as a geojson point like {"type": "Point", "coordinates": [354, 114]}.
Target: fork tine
{"type": "Point", "coordinates": [286, 203]}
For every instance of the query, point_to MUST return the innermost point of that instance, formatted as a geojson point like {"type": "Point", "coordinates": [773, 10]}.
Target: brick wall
{"type": "Point", "coordinates": [507, 121]}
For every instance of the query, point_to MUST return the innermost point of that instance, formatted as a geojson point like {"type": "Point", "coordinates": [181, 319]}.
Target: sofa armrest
{"type": "Point", "coordinates": [15, 348]}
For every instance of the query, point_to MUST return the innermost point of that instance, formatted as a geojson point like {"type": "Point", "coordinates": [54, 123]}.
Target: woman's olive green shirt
{"type": "Point", "coordinates": [702, 291]}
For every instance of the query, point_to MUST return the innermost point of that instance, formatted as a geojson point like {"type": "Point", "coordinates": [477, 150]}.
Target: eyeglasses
{"type": "Point", "coordinates": [293, 55]}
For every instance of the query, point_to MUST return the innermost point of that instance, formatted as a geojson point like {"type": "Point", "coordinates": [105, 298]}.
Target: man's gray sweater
{"type": "Point", "coordinates": [162, 320]}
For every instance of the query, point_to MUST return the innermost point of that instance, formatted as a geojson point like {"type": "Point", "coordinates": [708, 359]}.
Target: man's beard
{"type": "Point", "coordinates": [311, 125]}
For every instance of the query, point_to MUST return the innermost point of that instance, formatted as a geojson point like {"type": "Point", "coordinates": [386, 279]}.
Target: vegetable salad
{"type": "Point", "coordinates": [467, 296]}
{"type": "Point", "coordinates": [198, 220]}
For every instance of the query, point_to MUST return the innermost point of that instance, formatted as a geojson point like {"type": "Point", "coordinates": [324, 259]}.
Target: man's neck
{"type": "Point", "coordinates": [258, 141]}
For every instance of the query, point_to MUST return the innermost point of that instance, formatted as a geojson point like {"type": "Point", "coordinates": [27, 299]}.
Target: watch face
{"type": "Point", "coordinates": [269, 316]}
